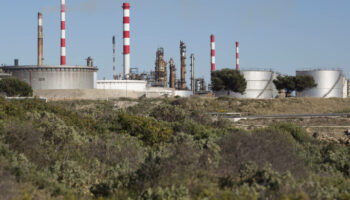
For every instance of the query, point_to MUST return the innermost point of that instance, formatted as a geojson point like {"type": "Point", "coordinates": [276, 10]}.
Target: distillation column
{"type": "Point", "coordinates": [183, 66]}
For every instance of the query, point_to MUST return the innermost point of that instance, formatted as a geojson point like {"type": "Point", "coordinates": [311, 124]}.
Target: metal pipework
{"type": "Point", "coordinates": [114, 71]}
{"type": "Point", "coordinates": [63, 32]}
{"type": "Point", "coordinates": [126, 36]}
{"type": "Point", "coordinates": [172, 78]}
{"type": "Point", "coordinates": [193, 86]}
{"type": "Point", "coordinates": [40, 40]}
{"type": "Point", "coordinates": [183, 66]}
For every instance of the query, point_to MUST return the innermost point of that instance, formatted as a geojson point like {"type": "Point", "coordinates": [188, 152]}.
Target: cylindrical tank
{"type": "Point", "coordinates": [259, 85]}
{"type": "Point", "coordinates": [55, 77]}
{"type": "Point", "coordinates": [329, 83]}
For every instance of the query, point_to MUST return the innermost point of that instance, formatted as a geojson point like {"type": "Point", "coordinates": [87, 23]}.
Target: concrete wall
{"type": "Point", "coordinates": [130, 85]}
{"type": "Point", "coordinates": [101, 94]}
{"type": "Point", "coordinates": [183, 93]}
{"type": "Point", "coordinates": [85, 94]}
{"type": "Point", "coordinates": [154, 92]}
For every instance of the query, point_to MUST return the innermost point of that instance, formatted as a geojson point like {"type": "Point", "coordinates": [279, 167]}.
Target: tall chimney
{"type": "Point", "coordinates": [183, 66]}
{"type": "Point", "coordinates": [63, 32]}
{"type": "Point", "coordinates": [40, 40]}
{"type": "Point", "coordinates": [212, 53]}
{"type": "Point", "coordinates": [126, 35]}
{"type": "Point", "coordinates": [172, 78]}
{"type": "Point", "coordinates": [114, 72]}
{"type": "Point", "coordinates": [237, 56]}
{"type": "Point", "coordinates": [193, 87]}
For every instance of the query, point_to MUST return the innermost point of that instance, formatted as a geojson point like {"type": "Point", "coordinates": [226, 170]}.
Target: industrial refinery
{"type": "Point", "coordinates": [167, 78]}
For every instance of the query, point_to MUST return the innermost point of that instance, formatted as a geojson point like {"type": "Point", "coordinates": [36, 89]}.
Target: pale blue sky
{"type": "Point", "coordinates": [283, 35]}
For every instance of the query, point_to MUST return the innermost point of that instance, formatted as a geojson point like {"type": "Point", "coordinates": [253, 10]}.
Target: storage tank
{"type": "Point", "coordinates": [259, 85]}
{"type": "Point", "coordinates": [55, 77]}
{"type": "Point", "coordinates": [329, 83]}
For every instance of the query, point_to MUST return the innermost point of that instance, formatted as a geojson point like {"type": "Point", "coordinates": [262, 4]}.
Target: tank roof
{"type": "Point", "coordinates": [19, 67]}
{"type": "Point", "coordinates": [319, 69]}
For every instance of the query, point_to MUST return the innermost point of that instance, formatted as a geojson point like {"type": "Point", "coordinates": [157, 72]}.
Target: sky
{"type": "Point", "coordinates": [282, 35]}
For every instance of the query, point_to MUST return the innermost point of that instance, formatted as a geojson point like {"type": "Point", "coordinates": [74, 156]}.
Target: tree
{"type": "Point", "coordinates": [292, 83]}
{"type": "Point", "coordinates": [15, 87]}
{"type": "Point", "coordinates": [304, 82]}
{"type": "Point", "coordinates": [285, 83]}
{"type": "Point", "coordinates": [229, 80]}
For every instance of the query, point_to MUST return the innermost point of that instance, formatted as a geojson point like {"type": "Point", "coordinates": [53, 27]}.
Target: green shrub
{"type": "Point", "coordinates": [298, 133]}
{"type": "Point", "coordinates": [260, 147]}
{"type": "Point", "coordinates": [15, 87]}
{"type": "Point", "coordinates": [168, 113]}
{"type": "Point", "coordinates": [147, 129]}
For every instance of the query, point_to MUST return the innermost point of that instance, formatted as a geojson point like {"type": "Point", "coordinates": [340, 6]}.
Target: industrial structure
{"type": "Point", "coordinates": [40, 40]}
{"type": "Point", "coordinates": [55, 77]}
{"type": "Point", "coordinates": [237, 56]}
{"type": "Point", "coordinates": [115, 76]}
{"type": "Point", "coordinates": [172, 77]}
{"type": "Point", "coordinates": [182, 85]}
{"type": "Point", "coordinates": [330, 83]}
{"type": "Point", "coordinates": [212, 52]}
{"type": "Point", "coordinates": [63, 32]}
{"type": "Point", "coordinates": [193, 87]}
{"type": "Point", "coordinates": [4, 75]}
{"type": "Point", "coordinates": [200, 86]}
{"type": "Point", "coordinates": [259, 85]}
{"type": "Point", "coordinates": [44, 77]}
{"type": "Point", "coordinates": [160, 77]}
{"type": "Point", "coordinates": [126, 36]}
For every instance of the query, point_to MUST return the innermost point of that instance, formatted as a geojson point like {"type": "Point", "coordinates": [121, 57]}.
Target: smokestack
{"type": "Point", "coordinates": [183, 65]}
{"type": "Point", "coordinates": [126, 35]}
{"type": "Point", "coordinates": [63, 32]}
{"type": "Point", "coordinates": [114, 72]}
{"type": "Point", "coordinates": [237, 56]}
{"type": "Point", "coordinates": [212, 53]}
{"type": "Point", "coordinates": [193, 87]}
{"type": "Point", "coordinates": [172, 78]}
{"type": "Point", "coordinates": [40, 40]}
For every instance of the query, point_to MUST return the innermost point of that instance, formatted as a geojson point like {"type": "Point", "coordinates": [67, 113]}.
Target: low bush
{"type": "Point", "coordinates": [149, 130]}
{"type": "Point", "coordinates": [15, 87]}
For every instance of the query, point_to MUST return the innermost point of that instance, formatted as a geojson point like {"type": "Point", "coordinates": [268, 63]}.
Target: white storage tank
{"type": "Point", "coordinates": [329, 83]}
{"type": "Point", "coordinates": [54, 77]}
{"type": "Point", "coordinates": [259, 85]}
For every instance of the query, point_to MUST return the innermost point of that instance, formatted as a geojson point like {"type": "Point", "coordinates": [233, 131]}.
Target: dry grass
{"type": "Point", "coordinates": [280, 106]}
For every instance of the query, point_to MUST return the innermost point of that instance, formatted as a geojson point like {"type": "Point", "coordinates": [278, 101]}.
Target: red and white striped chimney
{"type": "Point", "coordinates": [237, 56]}
{"type": "Point", "coordinates": [212, 46]}
{"type": "Point", "coordinates": [126, 35]}
{"type": "Point", "coordinates": [63, 32]}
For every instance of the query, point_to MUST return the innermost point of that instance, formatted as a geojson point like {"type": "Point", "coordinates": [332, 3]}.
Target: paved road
{"type": "Point", "coordinates": [283, 116]}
